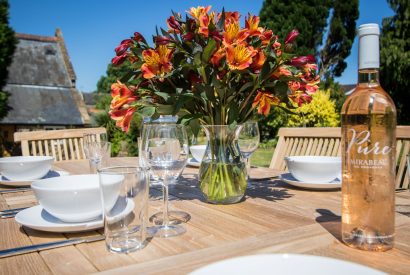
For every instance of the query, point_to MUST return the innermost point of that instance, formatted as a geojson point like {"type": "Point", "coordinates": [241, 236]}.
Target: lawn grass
{"type": "Point", "coordinates": [262, 157]}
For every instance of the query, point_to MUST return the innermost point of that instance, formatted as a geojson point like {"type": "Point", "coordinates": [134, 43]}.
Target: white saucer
{"type": "Point", "coordinates": [284, 264]}
{"type": "Point", "coordinates": [37, 218]}
{"type": "Point", "coordinates": [50, 174]}
{"type": "Point", "coordinates": [193, 162]}
{"type": "Point", "coordinates": [288, 178]}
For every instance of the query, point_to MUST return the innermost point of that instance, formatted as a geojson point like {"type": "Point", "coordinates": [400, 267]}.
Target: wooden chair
{"type": "Point", "coordinates": [326, 142]}
{"type": "Point", "coordinates": [63, 145]}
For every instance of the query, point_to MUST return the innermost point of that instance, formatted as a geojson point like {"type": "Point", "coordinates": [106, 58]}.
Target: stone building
{"type": "Point", "coordinates": [42, 87]}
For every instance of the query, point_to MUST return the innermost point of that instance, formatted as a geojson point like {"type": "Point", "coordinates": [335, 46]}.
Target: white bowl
{"type": "Point", "coordinates": [314, 168]}
{"type": "Point", "coordinates": [25, 168]}
{"type": "Point", "coordinates": [74, 198]}
{"type": "Point", "coordinates": [198, 152]}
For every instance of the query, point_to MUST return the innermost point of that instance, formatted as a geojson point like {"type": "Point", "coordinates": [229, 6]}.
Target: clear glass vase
{"type": "Point", "coordinates": [222, 174]}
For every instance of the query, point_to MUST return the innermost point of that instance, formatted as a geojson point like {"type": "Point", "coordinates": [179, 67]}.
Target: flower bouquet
{"type": "Point", "coordinates": [209, 70]}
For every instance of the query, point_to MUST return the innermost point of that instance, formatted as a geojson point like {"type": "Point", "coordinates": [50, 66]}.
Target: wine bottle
{"type": "Point", "coordinates": [368, 154]}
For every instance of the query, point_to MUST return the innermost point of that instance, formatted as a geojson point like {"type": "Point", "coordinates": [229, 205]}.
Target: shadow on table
{"type": "Point", "coordinates": [331, 222]}
{"type": "Point", "coordinates": [268, 190]}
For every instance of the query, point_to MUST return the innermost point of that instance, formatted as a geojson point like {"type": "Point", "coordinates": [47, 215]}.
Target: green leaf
{"type": "Point", "coordinates": [147, 111]}
{"type": "Point", "coordinates": [281, 89]}
{"type": "Point", "coordinates": [165, 33]}
{"type": "Point", "coordinates": [265, 71]}
{"type": "Point", "coordinates": [246, 86]}
{"type": "Point", "coordinates": [127, 77]}
{"type": "Point", "coordinates": [188, 117]}
{"type": "Point", "coordinates": [165, 96]}
{"type": "Point", "coordinates": [208, 50]}
{"type": "Point", "coordinates": [221, 21]}
{"type": "Point", "coordinates": [197, 59]}
{"type": "Point", "coordinates": [165, 109]}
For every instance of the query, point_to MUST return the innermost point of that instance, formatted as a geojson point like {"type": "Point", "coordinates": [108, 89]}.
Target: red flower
{"type": "Point", "coordinates": [174, 25]}
{"type": "Point", "coordinates": [162, 40]}
{"type": "Point", "coordinates": [123, 47]}
{"type": "Point", "coordinates": [291, 37]}
{"type": "Point", "coordinates": [188, 36]}
{"type": "Point", "coordinates": [302, 60]}
{"type": "Point", "coordinates": [118, 60]}
{"type": "Point", "coordinates": [138, 37]}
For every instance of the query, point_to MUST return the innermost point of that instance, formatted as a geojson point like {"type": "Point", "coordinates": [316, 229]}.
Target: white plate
{"type": "Point", "coordinates": [37, 218]}
{"type": "Point", "coordinates": [288, 178]}
{"type": "Point", "coordinates": [50, 174]}
{"type": "Point", "coordinates": [284, 264]}
{"type": "Point", "coordinates": [193, 162]}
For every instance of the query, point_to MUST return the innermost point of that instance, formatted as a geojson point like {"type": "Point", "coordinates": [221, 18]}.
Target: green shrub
{"type": "Point", "coordinates": [321, 112]}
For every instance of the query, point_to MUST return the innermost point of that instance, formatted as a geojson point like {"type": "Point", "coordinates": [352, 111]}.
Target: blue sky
{"type": "Point", "coordinates": [93, 28]}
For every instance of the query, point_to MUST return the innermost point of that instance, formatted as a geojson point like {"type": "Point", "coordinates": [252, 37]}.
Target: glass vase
{"type": "Point", "coordinates": [222, 174]}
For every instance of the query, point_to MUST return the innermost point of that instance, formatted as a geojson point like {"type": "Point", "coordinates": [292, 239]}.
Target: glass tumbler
{"type": "Point", "coordinates": [124, 193]}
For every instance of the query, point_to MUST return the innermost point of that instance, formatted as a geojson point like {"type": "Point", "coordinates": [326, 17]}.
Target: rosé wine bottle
{"type": "Point", "coordinates": [368, 154]}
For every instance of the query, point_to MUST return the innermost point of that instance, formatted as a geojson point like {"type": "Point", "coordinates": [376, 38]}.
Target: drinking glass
{"type": "Point", "coordinates": [165, 151]}
{"type": "Point", "coordinates": [249, 141]}
{"type": "Point", "coordinates": [97, 150]}
{"type": "Point", "coordinates": [124, 194]}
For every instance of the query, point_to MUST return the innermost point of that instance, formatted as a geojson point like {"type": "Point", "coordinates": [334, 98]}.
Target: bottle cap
{"type": "Point", "coordinates": [369, 46]}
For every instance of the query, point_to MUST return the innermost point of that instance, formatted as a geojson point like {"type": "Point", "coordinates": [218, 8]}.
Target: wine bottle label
{"type": "Point", "coordinates": [365, 153]}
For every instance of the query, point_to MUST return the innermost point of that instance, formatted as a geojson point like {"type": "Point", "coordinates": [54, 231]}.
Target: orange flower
{"type": "Point", "coordinates": [265, 37]}
{"type": "Point", "coordinates": [121, 95]}
{"type": "Point", "coordinates": [122, 117]}
{"type": "Point", "coordinates": [198, 11]}
{"type": "Point", "coordinates": [252, 24]}
{"type": "Point", "coordinates": [300, 98]}
{"type": "Point", "coordinates": [258, 61]}
{"type": "Point", "coordinates": [294, 86]}
{"type": "Point", "coordinates": [265, 100]}
{"type": "Point", "coordinates": [239, 57]}
{"type": "Point", "coordinates": [157, 62]}
{"type": "Point", "coordinates": [312, 85]}
{"type": "Point", "coordinates": [204, 21]}
{"type": "Point", "coordinates": [282, 71]}
{"type": "Point", "coordinates": [230, 17]}
{"type": "Point", "coordinates": [233, 33]}
{"type": "Point", "coordinates": [217, 56]}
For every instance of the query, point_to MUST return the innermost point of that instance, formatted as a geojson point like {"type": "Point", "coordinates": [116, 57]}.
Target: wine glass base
{"type": "Point", "coordinates": [166, 231]}
{"type": "Point", "coordinates": [175, 217]}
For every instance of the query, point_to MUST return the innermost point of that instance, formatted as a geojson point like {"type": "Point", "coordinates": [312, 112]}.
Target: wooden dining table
{"type": "Point", "coordinates": [273, 217]}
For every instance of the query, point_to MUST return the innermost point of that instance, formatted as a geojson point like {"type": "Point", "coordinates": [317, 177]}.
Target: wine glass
{"type": "Point", "coordinates": [97, 150]}
{"type": "Point", "coordinates": [165, 152]}
{"type": "Point", "coordinates": [174, 217]}
{"type": "Point", "coordinates": [249, 141]}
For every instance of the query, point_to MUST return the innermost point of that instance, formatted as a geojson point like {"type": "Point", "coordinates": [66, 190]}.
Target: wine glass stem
{"type": "Point", "coordinates": [248, 167]}
{"type": "Point", "coordinates": [165, 202]}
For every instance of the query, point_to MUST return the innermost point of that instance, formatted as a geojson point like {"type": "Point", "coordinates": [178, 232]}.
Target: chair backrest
{"type": "Point", "coordinates": [325, 141]}
{"type": "Point", "coordinates": [63, 145]}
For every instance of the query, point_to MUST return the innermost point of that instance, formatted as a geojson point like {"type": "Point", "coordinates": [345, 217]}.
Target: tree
{"type": "Point", "coordinates": [395, 57]}
{"type": "Point", "coordinates": [8, 43]}
{"type": "Point", "coordinates": [327, 29]}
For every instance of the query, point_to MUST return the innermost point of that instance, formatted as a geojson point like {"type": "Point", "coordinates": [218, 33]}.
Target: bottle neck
{"type": "Point", "coordinates": [368, 77]}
